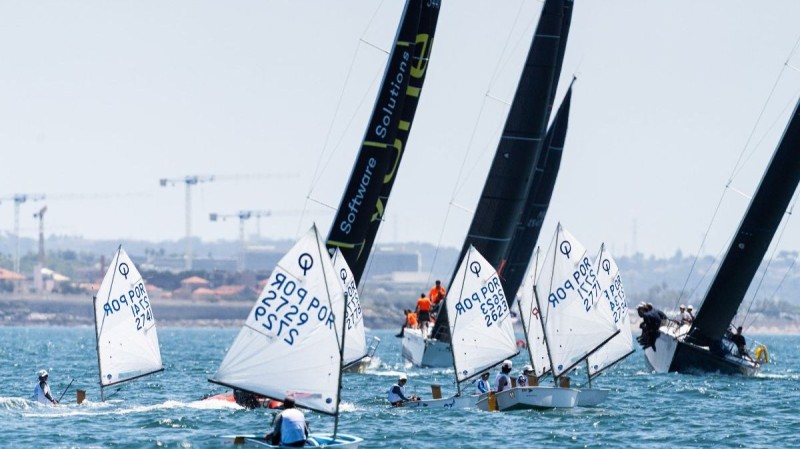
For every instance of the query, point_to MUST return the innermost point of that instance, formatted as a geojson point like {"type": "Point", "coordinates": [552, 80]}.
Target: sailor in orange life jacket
{"type": "Point", "coordinates": [411, 321]}
{"type": "Point", "coordinates": [437, 294]}
{"type": "Point", "coordinates": [423, 312]}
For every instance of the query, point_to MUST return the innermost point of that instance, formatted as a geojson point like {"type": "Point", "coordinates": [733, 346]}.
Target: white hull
{"type": "Point", "coordinates": [359, 367]}
{"type": "Point", "coordinates": [532, 397]}
{"type": "Point", "coordinates": [424, 352]}
{"type": "Point", "coordinates": [590, 397]}
{"type": "Point", "coordinates": [661, 359]}
{"type": "Point", "coordinates": [314, 440]}
{"type": "Point", "coordinates": [455, 402]}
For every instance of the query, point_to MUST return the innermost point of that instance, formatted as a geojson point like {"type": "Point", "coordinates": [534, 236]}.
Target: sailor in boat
{"type": "Point", "coordinates": [483, 383]}
{"type": "Point", "coordinates": [680, 317]}
{"type": "Point", "coordinates": [397, 394]}
{"type": "Point", "coordinates": [411, 321]}
{"type": "Point", "coordinates": [41, 392]}
{"type": "Point", "coordinates": [741, 344]}
{"type": "Point", "coordinates": [289, 427]}
{"type": "Point", "coordinates": [436, 295]}
{"type": "Point", "coordinates": [690, 314]}
{"type": "Point", "coordinates": [423, 312]}
{"type": "Point", "coordinates": [522, 379]}
{"type": "Point", "coordinates": [652, 319]}
{"type": "Point", "coordinates": [503, 380]}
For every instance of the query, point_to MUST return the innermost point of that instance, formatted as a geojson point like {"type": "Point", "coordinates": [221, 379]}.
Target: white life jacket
{"type": "Point", "coordinates": [497, 381]}
{"type": "Point", "coordinates": [40, 393]}
{"type": "Point", "coordinates": [293, 426]}
{"type": "Point", "coordinates": [483, 386]}
{"type": "Point", "coordinates": [394, 397]}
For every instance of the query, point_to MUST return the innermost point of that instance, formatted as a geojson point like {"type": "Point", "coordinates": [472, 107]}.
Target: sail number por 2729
{"type": "Point", "coordinates": [286, 309]}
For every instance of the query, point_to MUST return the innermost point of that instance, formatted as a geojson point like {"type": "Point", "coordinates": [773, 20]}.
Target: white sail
{"type": "Point", "coordinates": [531, 319]}
{"type": "Point", "coordinates": [355, 340]}
{"type": "Point", "coordinates": [127, 342]}
{"type": "Point", "coordinates": [567, 292]}
{"type": "Point", "coordinates": [290, 341]}
{"type": "Point", "coordinates": [614, 304]}
{"type": "Point", "coordinates": [478, 314]}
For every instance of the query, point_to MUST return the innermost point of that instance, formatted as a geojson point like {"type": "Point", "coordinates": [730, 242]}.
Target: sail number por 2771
{"type": "Point", "coordinates": [490, 299]}
{"type": "Point", "coordinates": [287, 308]}
{"type": "Point", "coordinates": [136, 301]}
{"type": "Point", "coordinates": [583, 282]}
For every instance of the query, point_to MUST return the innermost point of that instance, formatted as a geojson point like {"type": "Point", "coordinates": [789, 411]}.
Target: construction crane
{"type": "Point", "coordinates": [37, 273]}
{"type": "Point", "coordinates": [193, 180]}
{"type": "Point", "coordinates": [19, 199]}
{"type": "Point", "coordinates": [242, 215]}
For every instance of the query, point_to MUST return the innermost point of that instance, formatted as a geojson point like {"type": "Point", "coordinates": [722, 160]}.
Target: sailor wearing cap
{"type": "Point", "coordinates": [483, 383]}
{"type": "Point", "coordinates": [503, 381]}
{"type": "Point", "coordinates": [289, 427]}
{"type": "Point", "coordinates": [397, 394]}
{"type": "Point", "coordinates": [522, 379]}
{"type": "Point", "coordinates": [41, 392]}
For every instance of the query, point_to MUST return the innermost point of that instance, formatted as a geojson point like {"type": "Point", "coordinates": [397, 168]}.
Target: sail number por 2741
{"type": "Point", "coordinates": [287, 308]}
{"type": "Point", "coordinates": [136, 301]}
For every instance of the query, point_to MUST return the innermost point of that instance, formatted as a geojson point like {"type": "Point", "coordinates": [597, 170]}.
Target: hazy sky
{"type": "Point", "coordinates": [106, 97]}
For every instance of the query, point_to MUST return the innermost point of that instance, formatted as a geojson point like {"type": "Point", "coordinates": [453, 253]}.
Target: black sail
{"type": "Point", "coordinates": [506, 187]}
{"type": "Point", "coordinates": [535, 210]}
{"type": "Point", "coordinates": [375, 159]}
{"type": "Point", "coordinates": [419, 68]}
{"type": "Point", "coordinates": [753, 238]}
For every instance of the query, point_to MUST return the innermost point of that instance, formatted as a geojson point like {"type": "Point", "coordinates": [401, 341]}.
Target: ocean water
{"type": "Point", "coordinates": [644, 410]}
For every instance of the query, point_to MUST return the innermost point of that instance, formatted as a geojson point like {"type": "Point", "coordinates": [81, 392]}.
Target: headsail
{"type": "Point", "coordinates": [290, 343]}
{"type": "Point", "coordinates": [567, 292]}
{"type": "Point", "coordinates": [351, 231]}
{"type": "Point", "coordinates": [127, 342]}
{"type": "Point", "coordinates": [614, 304]}
{"type": "Point", "coordinates": [506, 186]}
{"type": "Point", "coordinates": [355, 345]}
{"type": "Point", "coordinates": [531, 319]}
{"type": "Point", "coordinates": [480, 323]}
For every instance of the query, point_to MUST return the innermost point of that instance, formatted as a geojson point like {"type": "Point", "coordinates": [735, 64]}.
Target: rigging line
{"type": "Point", "coordinates": [700, 249]}
{"type": "Point", "coordinates": [771, 258]}
{"type": "Point", "coordinates": [737, 167]}
{"type": "Point", "coordinates": [316, 177]}
{"type": "Point", "coordinates": [502, 64]}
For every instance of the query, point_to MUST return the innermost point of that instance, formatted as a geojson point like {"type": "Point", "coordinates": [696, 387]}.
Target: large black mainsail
{"type": "Point", "coordinates": [506, 186]}
{"type": "Point", "coordinates": [752, 239]}
{"type": "Point", "coordinates": [539, 194]}
{"type": "Point", "coordinates": [364, 201]}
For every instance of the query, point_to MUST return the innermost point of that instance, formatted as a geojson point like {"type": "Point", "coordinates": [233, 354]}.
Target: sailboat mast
{"type": "Point", "coordinates": [97, 346]}
{"type": "Point", "coordinates": [341, 368]}
{"type": "Point", "coordinates": [546, 342]}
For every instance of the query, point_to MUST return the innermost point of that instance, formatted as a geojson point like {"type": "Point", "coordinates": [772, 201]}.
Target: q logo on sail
{"type": "Point", "coordinates": [566, 248]}
{"type": "Point", "coordinates": [475, 267]}
{"type": "Point", "coordinates": [305, 262]}
{"type": "Point", "coordinates": [124, 270]}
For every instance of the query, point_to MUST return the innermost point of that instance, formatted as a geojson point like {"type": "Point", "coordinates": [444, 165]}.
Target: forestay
{"type": "Point", "coordinates": [614, 305]}
{"type": "Point", "coordinates": [290, 341]}
{"type": "Point", "coordinates": [355, 342]}
{"type": "Point", "coordinates": [482, 332]}
{"type": "Point", "coordinates": [567, 292]}
{"type": "Point", "coordinates": [532, 319]}
{"type": "Point", "coordinates": [127, 342]}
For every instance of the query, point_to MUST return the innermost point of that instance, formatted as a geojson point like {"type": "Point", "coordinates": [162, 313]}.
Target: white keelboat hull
{"type": "Point", "coordinates": [314, 440]}
{"type": "Point", "coordinates": [424, 352]}
{"type": "Point", "coordinates": [590, 397]}
{"type": "Point", "coordinates": [532, 398]}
